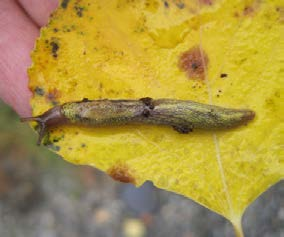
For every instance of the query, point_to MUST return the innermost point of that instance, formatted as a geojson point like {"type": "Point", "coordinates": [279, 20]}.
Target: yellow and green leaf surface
{"type": "Point", "coordinates": [226, 53]}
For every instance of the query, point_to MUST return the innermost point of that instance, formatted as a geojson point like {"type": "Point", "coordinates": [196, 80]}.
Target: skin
{"type": "Point", "coordinates": [20, 22]}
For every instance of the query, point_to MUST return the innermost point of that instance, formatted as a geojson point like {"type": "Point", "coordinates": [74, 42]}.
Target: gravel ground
{"type": "Point", "coordinates": [42, 195]}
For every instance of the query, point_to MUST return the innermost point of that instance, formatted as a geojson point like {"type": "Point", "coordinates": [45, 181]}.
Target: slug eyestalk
{"type": "Point", "coordinates": [182, 115]}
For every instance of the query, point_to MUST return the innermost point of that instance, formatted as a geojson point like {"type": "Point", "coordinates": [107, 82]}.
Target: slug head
{"type": "Point", "coordinates": [47, 120]}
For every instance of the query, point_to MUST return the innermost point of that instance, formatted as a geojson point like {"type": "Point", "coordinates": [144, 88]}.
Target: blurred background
{"type": "Point", "coordinates": [43, 195]}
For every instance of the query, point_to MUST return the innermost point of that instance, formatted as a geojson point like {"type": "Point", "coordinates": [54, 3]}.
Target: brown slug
{"type": "Point", "coordinates": [182, 115]}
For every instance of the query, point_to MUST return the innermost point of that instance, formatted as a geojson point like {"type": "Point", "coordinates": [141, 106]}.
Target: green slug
{"type": "Point", "coordinates": [182, 115]}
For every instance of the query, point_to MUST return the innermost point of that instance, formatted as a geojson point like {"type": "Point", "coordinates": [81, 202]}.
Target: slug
{"type": "Point", "coordinates": [182, 115]}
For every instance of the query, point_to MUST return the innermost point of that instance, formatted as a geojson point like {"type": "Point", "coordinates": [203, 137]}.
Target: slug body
{"type": "Point", "coordinates": [182, 115]}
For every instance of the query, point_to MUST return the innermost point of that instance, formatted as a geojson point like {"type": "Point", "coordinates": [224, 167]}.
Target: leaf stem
{"type": "Point", "coordinates": [238, 227]}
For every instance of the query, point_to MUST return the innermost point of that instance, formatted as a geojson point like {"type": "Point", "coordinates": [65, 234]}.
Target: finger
{"type": "Point", "coordinates": [39, 10]}
{"type": "Point", "coordinates": [18, 34]}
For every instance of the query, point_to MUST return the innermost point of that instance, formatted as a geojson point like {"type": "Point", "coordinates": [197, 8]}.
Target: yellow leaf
{"type": "Point", "coordinates": [227, 53]}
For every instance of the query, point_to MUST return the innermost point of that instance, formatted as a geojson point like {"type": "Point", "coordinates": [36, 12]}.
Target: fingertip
{"type": "Point", "coordinates": [18, 35]}
{"type": "Point", "coordinates": [39, 10]}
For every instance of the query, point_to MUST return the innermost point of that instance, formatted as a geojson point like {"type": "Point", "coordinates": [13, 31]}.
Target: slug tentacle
{"type": "Point", "coordinates": [49, 119]}
{"type": "Point", "coordinates": [41, 124]}
{"type": "Point", "coordinates": [182, 115]}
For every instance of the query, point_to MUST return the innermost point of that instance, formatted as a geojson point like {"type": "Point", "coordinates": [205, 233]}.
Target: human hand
{"type": "Point", "coordinates": [20, 22]}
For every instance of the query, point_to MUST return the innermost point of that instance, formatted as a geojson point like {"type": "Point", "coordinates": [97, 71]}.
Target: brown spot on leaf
{"type": "Point", "coordinates": [121, 173]}
{"type": "Point", "coordinates": [248, 11]}
{"type": "Point", "coordinates": [236, 14]}
{"type": "Point", "coordinates": [194, 62]}
{"type": "Point", "coordinates": [79, 10]}
{"type": "Point", "coordinates": [39, 91]}
{"type": "Point", "coordinates": [166, 4]}
{"type": "Point", "coordinates": [64, 4]}
{"type": "Point", "coordinates": [54, 48]}
{"type": "Point", "coordinates": [180, 4]}
{"type": "Point", "coordinates": [53, 95]}
{"type": "Point", "coordinates": [222, 75]}
{"type": "Point", "coordinates": [280, 10]}
{"type": "Point", "coordinates": [251, 9]}
{"type": "Point", "coordinates": [206, 2]}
